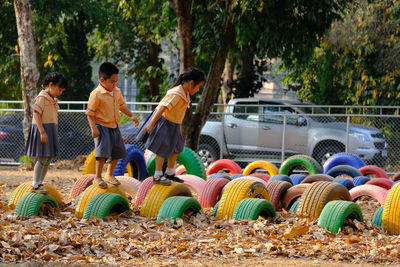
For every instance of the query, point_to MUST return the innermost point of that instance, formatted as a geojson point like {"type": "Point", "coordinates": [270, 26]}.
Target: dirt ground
{"type": "Point", "coordinates": [131, 240]}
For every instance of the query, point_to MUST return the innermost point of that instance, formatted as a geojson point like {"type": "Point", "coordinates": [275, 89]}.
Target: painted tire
{"type": "Point", "coordinates": [376, 192]}
{"type": "Point", "coordinates": [89, 193]}
{"type": "Point", "coordinates": [263, 176]}
{"type": "Point", "coordinates": [277, 190]}
{"type": "Point", "coordinates": [101, 205]}
{"type": "Point", "coordinates": [343, 158]}
{"type": "Point", "coordinates": [128, 185]}
{"type": "Point", "coordinates": [381, 182]}
{"type": "Point", "coordinates": [343, 181]}
{"type": "Point", "coordinates": [344, 170]}
{"type": "Point", "coordinates": [252, 208]}
{"type": "Point", "coordinates": [317, 177]}
{"type": "Point", "coordinates": [143, 189]}
{"type": "Point", "coordinates": [237, 191]}
{"type": "Point", "coordinates": [335, 213]}
{"type": "Point", "coordinates": [81, 184]}
{"type": "Point", "coordinates": [377, 219]}
{"type": "Point", "coordinates": [194, 182]}
{"type": "Point", "coordinates": [175, 207]}
{"type": "Point", "coordinates": [317, 195]}
{"type": "Point", "coordinates": [158, 194]}
{"type": "Point", "coordinates": [261, 164]}
{"type": "Point", "coordinates": [135, 159]}
{"type": "Point", "coordinates": [293, 208]}
{"type": "Point", "coordinates": [26, 187]}
{"type": "Point", "coordinates": [252, 178]}
{"type": "Point", "coordinates": [89, 167]}
{"type": "Point", "coordinates": [220, 164]}
{"type": "Point", "coordinates": [192, 162]}
{"type": "Point", "coordinates": [297, 178]}
{"type": "Point", "coordinates": [215, 209]}
{"type": "Point", "coordinates": [360, 180]}
{"type": "Point", "coordinates": [180, 170]}
{"type": "Point", "coordinates": [391, 211]}
{"type": "Point", "coordinates": [375, 170]}
{"type": "Point", "coordinates": [220, 175]}
{"type": "Point", "coordinates": [312, 166]}
{"type": "Point", "coordinates": [280, 177]}
{"type": "Point", "coordinates": [396, 176]}
{"type": "Point", "coordinates": [237, 175]}
{"type": "Point", "coordinates": [30, 204]}
{"type": "Point", "coordinates": [77, 199]}
{"type": "Point", "coordinates": [293, 194]}
{"type": "Point", "coordinates": [208, 197]}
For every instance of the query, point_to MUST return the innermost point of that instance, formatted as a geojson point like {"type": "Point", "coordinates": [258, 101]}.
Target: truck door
{"type": "Point", "coordinates": [241, 128]}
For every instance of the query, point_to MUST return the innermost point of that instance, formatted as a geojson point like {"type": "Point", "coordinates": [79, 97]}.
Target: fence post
{"type": "Point", "coordinates": [347, 133]}
{"type": "Point", "coordinates": [283, 139]}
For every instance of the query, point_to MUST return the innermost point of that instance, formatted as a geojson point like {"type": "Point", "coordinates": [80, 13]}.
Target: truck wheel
{"type": "Point", "coordinates": [207, 154]}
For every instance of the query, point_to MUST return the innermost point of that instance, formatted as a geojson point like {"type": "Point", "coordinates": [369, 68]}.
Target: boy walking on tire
{"type": "Point", "coordinates": [102, 112]}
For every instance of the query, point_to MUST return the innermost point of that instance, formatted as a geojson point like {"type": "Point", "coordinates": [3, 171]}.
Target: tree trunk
{"type": "Point", "coordinates": [227, 77]}
{"type": "Point", "coordinates": [154, 81]}
{"type": "Point", "coordinates": [27, 50]}
{"type": "Point", "coordinates": [211, 87]}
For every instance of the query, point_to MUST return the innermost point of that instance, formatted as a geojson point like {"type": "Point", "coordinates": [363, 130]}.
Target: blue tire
{"type": "Point", "coordinates": [237, 175]}
{"type": "Point", "coordinates": [344, 170]}
{"type": "Point", "coordinates": [360, 180]}
{"type": "Point", "coordinates": [219, 175]}
{"type": "Point", "coordinates": [297, 178]}
{"type": "Point", "coordinates": [343, 158]}
{"type": "Point", "coordinates": [281, 177]}
{"type": "Point", "coordinates": [134, 157]}
{"type": "Point", "coordinates": [343, 181]}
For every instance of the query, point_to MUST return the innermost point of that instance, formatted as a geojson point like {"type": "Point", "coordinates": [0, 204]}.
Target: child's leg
{"type": "Point", "coordinates": [38, 170]}
{"type": "Point", "coordinates": [46, 163]}
{"type": "Point", "coordinates": [170, 172]}
{"type": "Point", "coordinates": [109, 175]}
{"type": "Point", "coordinates": [99, 169]}
{"type": "Point", "coordinates": [158, 175]}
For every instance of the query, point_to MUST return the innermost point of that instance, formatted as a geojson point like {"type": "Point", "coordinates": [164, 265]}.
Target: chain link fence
{"type": "Point", "coordinates": [241, 132]}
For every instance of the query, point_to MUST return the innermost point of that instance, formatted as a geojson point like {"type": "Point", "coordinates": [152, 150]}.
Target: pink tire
{"type": "Point", "coordinates": [277, 190]}
{"type": "Point", "coordinates": [381, 182]}
{"type": "Point", "coordinates": [220, 164]}
{"type": "Point", "coordinates": [209, 196]}
{"type": "Point", "coordinates": [396, 176]}
{"type": "Point", "coordinates": [147, 155]}
{"type": "Point", "coordinates": [253, 178]}
{"type": "Point", "coordinates": [180, 170]}
{"type": "Point", "coordinates": [317, 177]}
{"type": "Point", "coordinates": [194, 182]}
{"type": "Point", "coordinates": [81, 184]}
{"type": "Point", "coordinates": [292, 194]}
{"type": "Point", "coordinates": [263, 176]}
{"type": "Point", "coordinates": [144, 187]}
{"type": "Point", "coordinates": [128, 185]}
{"type": "Point", "coordinates": [376, 192]}
{"type": "Point", "coordinates": [372, 169]}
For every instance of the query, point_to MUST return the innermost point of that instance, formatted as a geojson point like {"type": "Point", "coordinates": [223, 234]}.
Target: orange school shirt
{"type": "Point", "coordinates": [176, 101]}
{"type": "Point", "coordinates": [105, 107]}
{"type": "Point", "coordinates": [47, 107]}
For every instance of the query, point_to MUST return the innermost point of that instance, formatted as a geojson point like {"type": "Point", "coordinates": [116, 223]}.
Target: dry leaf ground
{"type": "Point", "coordinates": [131, 240]}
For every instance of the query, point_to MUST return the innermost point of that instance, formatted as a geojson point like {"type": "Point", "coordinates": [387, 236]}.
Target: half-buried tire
{"type": "Point", "coordinates": [105, 204]}
{"type": "Point", "coordinates": [175, 207]}
{"type": "Point", "coordinates": [252, 208]}
{"type": "Point", "coordinates": [30, 204]}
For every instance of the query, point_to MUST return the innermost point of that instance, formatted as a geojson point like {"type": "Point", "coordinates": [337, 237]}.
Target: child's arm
{"type": "Point", "coordinates": [39, 123]}
{"type": "Point", "coordinates": [129, 113]}
{"type": "Point", "coordinates": [154, 119]}
{"type": "Point", "coordinates": [93, 127]}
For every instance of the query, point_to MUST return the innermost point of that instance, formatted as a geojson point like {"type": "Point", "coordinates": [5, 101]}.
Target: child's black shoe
{"type": "Point", "coordinates": [173, 178]}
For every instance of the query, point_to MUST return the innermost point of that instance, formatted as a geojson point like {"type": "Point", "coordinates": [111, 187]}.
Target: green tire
{"type": "Point", "coordinates": [336, 212]}
{"type": "Point", "coordinates": [252, 208]}
{"type": "Point", "coordinates": [215, 209]}
{"type": "Point", "coordinates": [192, 162]}
{"type": "Point", "coordinates": [377, 219]}
{"type": "Point", "coordinates": [305, 161]}
{"type": "Point", "coordinates": [103, 204]}
{"type": "Point", "coordinates": [293, 208]}
{"type": "Point", "coordinates": [77, 199]}
{"type": "Point", "coordinates": [30, 203]}
{"type": "Point", "coordinates": [175, 207]}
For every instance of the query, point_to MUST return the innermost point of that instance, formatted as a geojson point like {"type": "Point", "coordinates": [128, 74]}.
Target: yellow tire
{"type": "Point", "coordinates": [26, 187]}
{"type": "Point", "coordinates": [90, 192]}
{"type": "Point", "coordinates": [237, 191]}
{"type": "Point", "coordinates": [261, 164]}
{"type": "Point", "coordinates": [391, 211]}
{"type": "Point", "coordinates": [317, 195]}
{"type": "Point", "coordinates": [89, 167]}
{"type": "Point", "coordinates": [158, 194]}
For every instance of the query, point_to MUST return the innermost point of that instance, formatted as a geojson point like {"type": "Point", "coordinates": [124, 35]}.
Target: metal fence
{"type": "Point", "coordinates": [243, 133]}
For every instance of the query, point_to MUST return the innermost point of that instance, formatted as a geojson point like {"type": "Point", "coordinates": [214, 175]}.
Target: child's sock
{"type": "Point", "coordinates": [170, 171]}
{"type": "Point", "coordinates": [158, 173]}
{"type": "Point", "coordinates": [35, 183]}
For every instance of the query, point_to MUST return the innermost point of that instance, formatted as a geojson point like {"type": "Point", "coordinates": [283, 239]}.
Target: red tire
{"type": "Point", "coordinates": [277, 190]}
{"type": "Point", "coordinates": [220, 164]}
{"type": "Point", "coordinates": [372, 169]}
{"type": "Point", "coordinates": [381, 182]}
{"type": "Point", "coordinates": [208, 197]}
{"type": "Point", "coordinates": [144, 187]}
{"type": "Point", "coordinates": [81, 184]}
{"type": "Point", "coordinates": [194, 182]}
{"type": "Point", "coordinates": [370, 190]}
{"type": "Point", "coordinates": [129, 185]}
{"type": "Point", "coordinates": [292, 194]}
{"type": "Point", "coordinates": [396, 176]}
{"type": "Point", "coordinates": [317, 177]}
{"type": "Point", "coordinates": [263, 176]}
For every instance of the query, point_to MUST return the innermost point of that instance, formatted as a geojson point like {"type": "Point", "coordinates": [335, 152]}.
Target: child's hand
{"type": "Point", "coordinates": [95, 132]}
{"type": "Point", "coordinates": [135, 120]}
{"type": "Point", "coordinates": [44, 138]}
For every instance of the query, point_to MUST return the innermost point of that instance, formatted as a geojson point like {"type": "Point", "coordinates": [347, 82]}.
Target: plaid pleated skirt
{"type": "Point", "coordinates": [35, 148]}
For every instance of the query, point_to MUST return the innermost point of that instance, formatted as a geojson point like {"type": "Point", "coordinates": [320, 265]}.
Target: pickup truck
{"type": "Point", "coordinates": [252, 129]}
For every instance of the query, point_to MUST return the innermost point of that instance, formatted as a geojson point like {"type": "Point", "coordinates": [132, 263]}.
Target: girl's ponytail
{"type": "Point", "coordinates": [189, 74]}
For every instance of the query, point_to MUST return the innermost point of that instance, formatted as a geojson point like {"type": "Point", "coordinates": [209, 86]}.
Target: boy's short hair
{"type": "Point", "coordinates": [107, 69]}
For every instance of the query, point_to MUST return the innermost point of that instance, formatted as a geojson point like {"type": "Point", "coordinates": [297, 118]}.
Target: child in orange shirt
{"type": "Point", "coordinates": [164, 127]}
{"type": "Point", "coordinates": [104, 105]}
{"type": "Point", "coordinates": [43, 141]}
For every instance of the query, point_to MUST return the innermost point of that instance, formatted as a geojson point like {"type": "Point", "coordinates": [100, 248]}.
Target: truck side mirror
{"type": "Point", "coordinates": [301, 121]}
